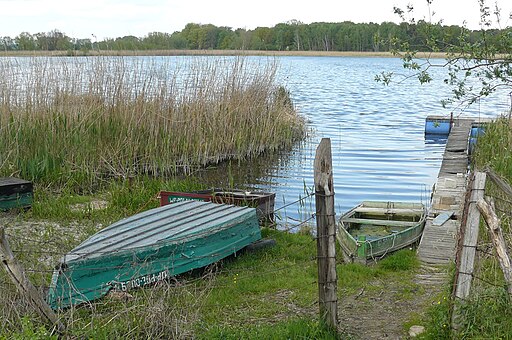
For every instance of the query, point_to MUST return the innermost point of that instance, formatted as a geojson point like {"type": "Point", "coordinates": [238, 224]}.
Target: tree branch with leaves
{"type": "Point", "coordinates": [478, 62]}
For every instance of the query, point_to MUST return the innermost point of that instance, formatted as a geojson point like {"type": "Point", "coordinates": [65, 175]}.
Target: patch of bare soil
{"type": "Point", "coordinates": [40, 244]}
{"type": "Point", "coordinates": [91, 206]}
{"type": "Point", "coordinates": [382, 309]}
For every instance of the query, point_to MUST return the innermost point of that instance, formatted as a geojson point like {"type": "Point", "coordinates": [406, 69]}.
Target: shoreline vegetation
{"type": "Point", "coordinates": [88, 127]}
{"type": "Point", "coordinates": [77, 123]}
{"type": "Point", "coordinates": [287, 36]}
{"type": "Point", "coordinates": [78, 53]}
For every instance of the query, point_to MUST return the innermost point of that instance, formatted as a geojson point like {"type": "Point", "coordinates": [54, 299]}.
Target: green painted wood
{"type": "Point", "coordinates": [15, 193]}
{"type": "Point", "coordinates": [361, 247]}
{"type": "Point", "coordinates": [390, 232]}
{"type": "Point", "coordinates": [151, 247]}
{"type": "Point", "coordinates": [16, 201]}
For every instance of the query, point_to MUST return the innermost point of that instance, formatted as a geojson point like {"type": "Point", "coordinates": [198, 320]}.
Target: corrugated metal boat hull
{"type": "Point", "coordinates": [404, 220]}
{"type": "Point", "coordinates": [150, 247]}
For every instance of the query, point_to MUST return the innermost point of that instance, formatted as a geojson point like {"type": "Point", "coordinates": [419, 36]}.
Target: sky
{"type": "Point", "coordinates": [100, 19]}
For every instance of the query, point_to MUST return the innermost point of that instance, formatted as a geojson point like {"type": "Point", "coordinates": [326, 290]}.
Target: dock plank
{"type": "Point", "coordinates": [438, 243]}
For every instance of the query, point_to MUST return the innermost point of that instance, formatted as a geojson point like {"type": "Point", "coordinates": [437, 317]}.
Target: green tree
{"type": "Point", "coordinates": [284, 36]}
{"type": "Point", "coordinates": [242, 40]}
{"type": "Point", "coordinates": [262, 39]}
{"type": "Point", "coordinates": [226, 38]}
{"type": "Point", "coordinates": [156, 41]}
{"type": "Point", "coordinates": [177, 41]}
{"type": "Point", "coordinates": [42, 42]}
{"type": "Point", "coordinates": [128, 42]}
{"type": "Point", "coordinates": [192, 34]}
{"type": "Point", "coordinates": [7, 43]}
{"type": "Point", "coordinates": [25, 42]}
{"type": "Point", "coordinates": [478, 62]}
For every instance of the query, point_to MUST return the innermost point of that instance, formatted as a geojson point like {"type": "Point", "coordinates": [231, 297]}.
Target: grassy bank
{"type": "Point", "coordinates": [79, 122]}
{"type": "Point", "coordinates": [270, 293]}
{"type": "Point", "coordinates": [489, 311]}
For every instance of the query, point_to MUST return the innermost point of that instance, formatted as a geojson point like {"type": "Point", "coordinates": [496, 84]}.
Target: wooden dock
{"type": "Point", "coordinates": [439, 240]}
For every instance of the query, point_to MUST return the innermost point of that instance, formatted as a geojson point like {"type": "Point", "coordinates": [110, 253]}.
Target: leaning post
{"type": "Point", "coordinates": [17, 274]}
{"type": "Point", "coordinates": [326, 235]}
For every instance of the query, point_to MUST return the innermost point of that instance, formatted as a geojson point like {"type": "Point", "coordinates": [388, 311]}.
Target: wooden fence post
{"type": "Point", "coordinates": [487, 209]}
{"type": "Point", "coordinates": [468, 245]}
{"type": "Point", "coordinates": [17, 274]}
{"type": "Point", "coordinates": [326, 235]}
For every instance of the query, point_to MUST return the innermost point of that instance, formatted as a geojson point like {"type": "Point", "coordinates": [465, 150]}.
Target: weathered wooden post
{"type": "Point", "coordinates": [487, 209]}
{"type": "Point", "coordinates": [17, 274]}
{"type": "Point", "coordinates": [326, 235]}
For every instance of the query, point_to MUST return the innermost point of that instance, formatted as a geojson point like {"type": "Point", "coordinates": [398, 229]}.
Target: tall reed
{"type": "Point", "coordinates": [76, 121]}
{"type": "Point", "coordinates": [494, 148]}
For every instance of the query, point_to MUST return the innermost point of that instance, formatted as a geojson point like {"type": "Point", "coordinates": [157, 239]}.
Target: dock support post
{"type": "Point", "coordinates": [326, 235]}
{"type": "Point", "coordinates": [17, 274]}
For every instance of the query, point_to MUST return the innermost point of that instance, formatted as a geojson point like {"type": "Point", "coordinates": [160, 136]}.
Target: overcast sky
{"type": "Point", "coordinates": [115, 18]}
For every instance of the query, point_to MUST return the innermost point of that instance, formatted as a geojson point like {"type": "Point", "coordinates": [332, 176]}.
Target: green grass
{"type": "Point", "coordinates": [120, 198]}
{"type": "Point", "coordinates": [292, 329]}
{"type": "Point", "coordinates": [402, 260]}
{"type": "Point", "coordinates": [487, 313]}
{"type": "Point", "coordinates": [494, 148]}
{"type": "Point", "coordinates": [270, 293]}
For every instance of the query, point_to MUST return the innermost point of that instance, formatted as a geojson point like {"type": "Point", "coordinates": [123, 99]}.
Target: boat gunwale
{"type": "Point", "coordinates": [352, 211]}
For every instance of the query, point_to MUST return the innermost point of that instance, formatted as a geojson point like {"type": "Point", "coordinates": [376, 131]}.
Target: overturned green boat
{"type": "Point", "coordinates": [149, 247]}
{"type": "Point", "coordinates": [373, 229]}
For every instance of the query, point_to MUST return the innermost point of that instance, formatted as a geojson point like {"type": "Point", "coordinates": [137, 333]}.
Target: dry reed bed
{"type": "Point", "coordinates": [75, 120]}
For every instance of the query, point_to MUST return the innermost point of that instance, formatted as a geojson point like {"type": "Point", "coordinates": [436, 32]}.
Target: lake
{"type": "Point", "coordinates": [377, 133]}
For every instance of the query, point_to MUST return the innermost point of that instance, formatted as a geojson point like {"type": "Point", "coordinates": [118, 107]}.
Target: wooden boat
{"type": "Point", "coordinates": [151, 246]}
{"type": "Point", "coordinates": [262, 201]}
{"type": "Point", "coordinates": [372, 230]}
{"type": "Point", "coordinates": [15, 193]}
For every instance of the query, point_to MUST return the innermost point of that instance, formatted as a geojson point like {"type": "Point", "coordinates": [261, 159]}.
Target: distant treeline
{"type": "Point", "coordinates": [290, 36]}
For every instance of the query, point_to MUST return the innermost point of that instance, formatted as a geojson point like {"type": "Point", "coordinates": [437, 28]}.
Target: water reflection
{"type": "Point", "coordinates": [435, 139]}
{"type": "Point", "coordinates": [379, 148]}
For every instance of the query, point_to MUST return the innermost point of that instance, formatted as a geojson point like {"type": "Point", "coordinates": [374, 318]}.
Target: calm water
{"type": "Point", "coordinates": [377, 134]}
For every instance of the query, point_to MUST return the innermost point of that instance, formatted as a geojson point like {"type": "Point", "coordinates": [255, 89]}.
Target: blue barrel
{"type": "Point", "coordinates": [437, 127]}
{"type": "Point", "coordinates": [477, 131]}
